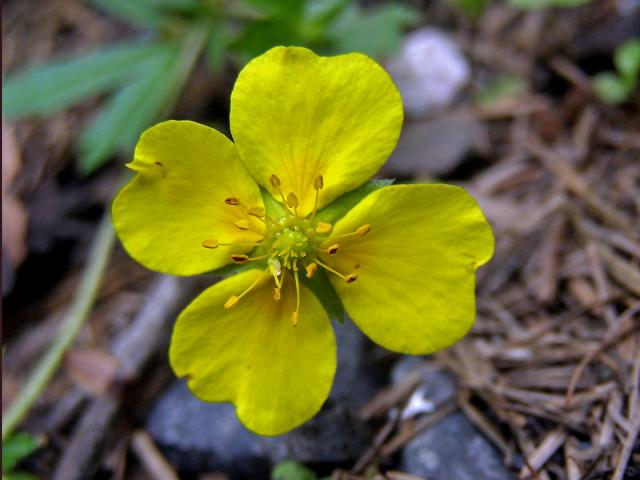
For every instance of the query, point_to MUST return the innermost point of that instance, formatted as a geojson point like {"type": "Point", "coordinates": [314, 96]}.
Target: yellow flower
{"type": "Point", "coordinates": [306, 129]}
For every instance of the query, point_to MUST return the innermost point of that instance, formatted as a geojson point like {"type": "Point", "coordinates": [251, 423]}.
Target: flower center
{"type": "Point", "coordinates": [291, 243]}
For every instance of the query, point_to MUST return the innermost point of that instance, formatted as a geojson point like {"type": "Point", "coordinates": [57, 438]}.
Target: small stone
{"type": "Point", "coordinates": [199, 437]}
{"type": "Point", "coordinates": [429, 71]}
{"type": "Point", "coordinates": [453, 449]}
{"type": "Point", "coordinates": [438, 386]}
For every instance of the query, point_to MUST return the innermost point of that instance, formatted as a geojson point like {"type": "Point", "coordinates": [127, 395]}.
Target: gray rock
{"type": "Point", "coordinates": [436, 146]}
{"type": "Point", "coordinates": [198, 437]}
{"type": "Point", "coordinates": [453, 449]}
{"type": "Point", "coordinates": [437, 386]}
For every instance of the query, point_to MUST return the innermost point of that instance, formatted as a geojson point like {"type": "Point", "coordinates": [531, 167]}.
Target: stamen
{"type": "Point", "coordinates": [292, 202]}
{"type": "Point", "coordinates": [318, 184]}
{"type": "Point", "coordinates": [333, 249]}
{"type": "Point", "coordinates": [311, 269]}
{"type": "Point", "coordinates": [154, 169]}
{"type": "Point", "coordinates": [352, 277]}
{"type": "Point", "coordinates": [323, 228]}
{"type": "Point", "coordinates": [275, 183]}
{"type": "Point", "coordinates": [242, 224]}
{"type": "Point", "coordinates": [210, 244]}
{"type": "Point", "coordinates": [232, 302]}
{"type": "Point", "coordinates": [232, 201]}
{"type": "Point", "coordinates": [256, 211]}
{"type": "Point", "coordinates": [360, 231]}
{"type": "Point", "coordinates": [276, 294]}
{"type": "Point", "coordinates": [239, 259]}
{"type": "Point", "coordinates": [242, 259]}
{"type": "Point", "coordinates": [235, 299]}
{"type": "Point", "coordinates": [295, 315]}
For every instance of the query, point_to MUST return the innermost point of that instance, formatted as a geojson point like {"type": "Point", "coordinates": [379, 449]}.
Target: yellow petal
{"type": "Point", "coordinates": [278, 376]}
{"type": "Point", "coordinates": [297, 115]}
{"type": "Point", "coordinates": [415, 291]}
{"type": "Point", "coordinates": [176, 201]}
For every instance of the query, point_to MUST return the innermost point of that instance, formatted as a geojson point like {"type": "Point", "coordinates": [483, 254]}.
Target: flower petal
{"type": "Point", "coordinates": [278, 376]}
{"type": "Point", "coordinates": [416, 267]}
{"type": "Point", "coordinates": [297, 115]}
{"type": "Point", "coordinates": [176, 201]}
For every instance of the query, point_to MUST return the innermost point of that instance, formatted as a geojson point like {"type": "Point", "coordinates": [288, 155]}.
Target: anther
{"type": "Point", "coordinates": [239, 259]}
{"type": "Point", "coordinates": [275, 181]}
{"type": "Point", "coordinates": [232, 302]}
{"type": "Point", "coordinates": [311, 269]}
{"type": "Point", "coordinates": [318, 182]}
{"type": "Point", "coordinates": [232, 201]}
{"type": "Point", "coordinates": [242, 224]}
{"type": "Point", "coordinates": [352, 277]}
{"type": "Point", "coordinates": [294, 319]}
{"type": "Point", "coordinates": [333, 249]}
{"type": "Point", "coordinates": [323, 228]}
{"type": "Point", "coordinates": [256, 211]}
{"type": "Point", "coordinates": [292, 200]}
{"type": "Point", "coordinates": [363, 230]}
{"type": "Point", "coordinates": [210, 244]}
{"type": "Point", "coordinates": [276, 294]}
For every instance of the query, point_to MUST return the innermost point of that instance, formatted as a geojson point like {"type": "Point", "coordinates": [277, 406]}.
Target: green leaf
{"type": "Point", "coordinates": [216, 48]}
{"type": "Point", "coordinates": [352, 31]}
{"type": "Point", "coordinates": [319, 284]}
{"type": "Point", "coordinates": [540, 4]}
{"type": "Point", "coordinates": [127, 114]}
{"type": "Point", "coordinates": [341, 205]}
{"type": "Point", "coordinates": [46, 88]}
{"type": "Point", "coordinates": [138, 12]}
{"type": "Point", "coordinates": [627, 61]}
{"type": "Point", "coordinates": [18, 447]}
{"type": "Point", "coordinates": [471, 8]}
{"type": "Point", "coordinates": [610, 88]}
{"type": "Point", "coordinates": [499, 88]}
{"type": "Point", "coordinates": [291, 470]}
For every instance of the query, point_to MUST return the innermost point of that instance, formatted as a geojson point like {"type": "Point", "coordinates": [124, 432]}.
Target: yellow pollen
{"type": "Point", "coordinates": [352, 277]}
{"type": "Point", "coordinates": [294, 319]}
{"type": "Point", "coordinates": [232, 302]}
{"type": "Point", "coordinates": [275, 181]}
{"type": "Point", "coordinates": [292, 200]}
{"type": "Point", "coordinates": [363, 230]}
{"type": "Point", "coordinates": [333, 249]}
{"type": "Point", "coordinates": [210, 244]}
{"type": "Point", "coordinates": [239, 259]}
{"type": "Point", "coordinates": [232, 201]}
{"type": "Point", "coordinates": [318, 182]}
{"type": "Point", "coordinates": [242, 224]}
{"type": "Point", "coordinates": [311, 269]}
{"type": "Point", "coordinates": [323, 228]}
{"type": "Point", "coordinates": [276, 294]}
{"type": "Point", "coordinates": [256, 211]}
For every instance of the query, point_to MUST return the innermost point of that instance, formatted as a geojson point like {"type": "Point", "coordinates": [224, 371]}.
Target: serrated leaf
{"type": "Point", "coordinates": [49, 87]}
{"type": "Point", "coordinates": [540, 4]}
{"type": "Point", "coordinates": [627, 61]}
{"type": "Point", "coordinates": [352, 31]}
{"type": "Point", "coordinates": [610, 88]}
{"type": "Point", "coordinates": [291, 470]}
{"type": "Point", "coordinates": [18, 447]}
{"type": "Point", "coordinates": [341, 205]}
{"type": "Point", "coordinates": [126, 114]}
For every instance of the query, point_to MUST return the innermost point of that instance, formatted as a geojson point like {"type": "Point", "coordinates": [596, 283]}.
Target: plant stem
{"type": "Point", "coordinates": [78, 312]}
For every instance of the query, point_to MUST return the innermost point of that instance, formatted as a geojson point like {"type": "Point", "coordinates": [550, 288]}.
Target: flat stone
{"type": "Point", "coordinates": [453, 449]}
{"type": "Point", "coordinates": [198, 436]}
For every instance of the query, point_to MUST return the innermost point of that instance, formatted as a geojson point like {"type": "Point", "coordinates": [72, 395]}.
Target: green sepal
{"type": "Point", "coordinates": [321, 287]}
{"type": "Point", "coordinates": [340, 206]}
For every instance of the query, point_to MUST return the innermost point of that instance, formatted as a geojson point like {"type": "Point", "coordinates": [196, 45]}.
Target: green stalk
{"type": "Point", "coordinates": [79, 310]}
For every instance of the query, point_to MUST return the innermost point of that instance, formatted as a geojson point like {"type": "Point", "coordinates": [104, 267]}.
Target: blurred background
{"type": "Point", "coordinates": [532, 105]}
